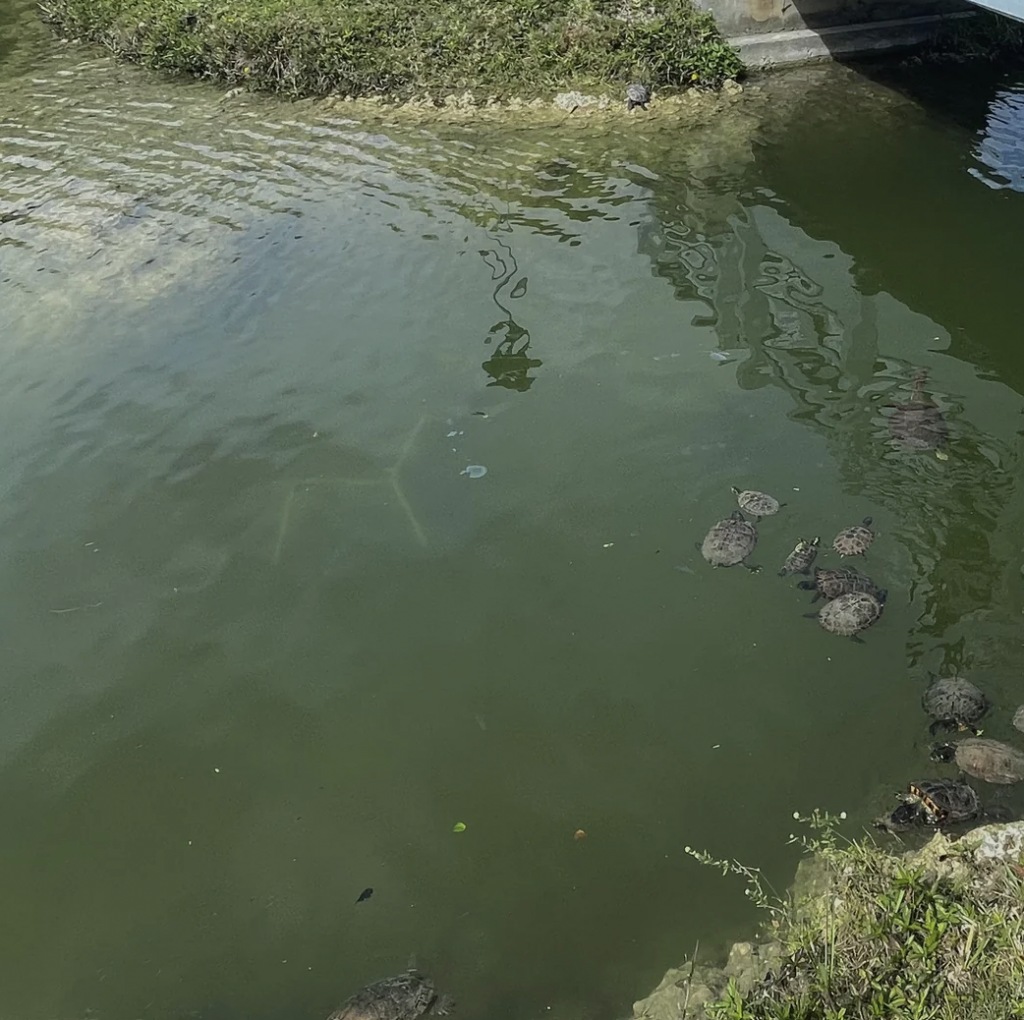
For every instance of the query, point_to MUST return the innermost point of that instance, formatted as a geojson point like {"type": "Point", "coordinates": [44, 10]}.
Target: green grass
{"type": "Point", "coordinates": [890, 939]}
{"type": "Point", "coordinates": [401, 48]}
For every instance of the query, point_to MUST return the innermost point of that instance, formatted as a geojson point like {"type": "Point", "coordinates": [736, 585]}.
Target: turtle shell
{"type": "Point", "coordinates": [402, 997]}
{"type": "Point", "coordinates": [854, 541]}
{"type": "Point", "coordinates": [1018, 719]}
{"type": "Point", "coordinates": [800, 559]}
{"type": "Point", "coordinates": [851, 613]}
{"type": "Point", "coordinates": [945, 800]}
{"type": "Point", "coordinates": [832, 582]}
{"type": "Point", "coordinates": [637, 95]}
{"type": "Point", "coordinates": [918, 424]}
{"type": "Point", "coordinates": [757, 504]}
{"type": "Point", "coordinates": [730, 541]}
{"type": "Point", "coordinates": [990, 760]}
{"type": "Point", "coordinates": [954, 703]}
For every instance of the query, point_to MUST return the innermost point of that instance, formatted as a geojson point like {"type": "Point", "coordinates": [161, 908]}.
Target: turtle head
{"type": "Point", "coordinates": [943, 752]}
{"type": "Point", "coordinates": [807, 585]}
{"type": "Point", "coordinates": [815, 542]}
{"type": "Point", "coordinates": [735, 491]}
{"type": "Point", "coordinates": [867, 522]}
{"type": "Point", "coordinates": [902, 818]}
{"type": "Point", "coordinates": [883, 594]}
{"type": "Point", "coordinates": [737, 515]}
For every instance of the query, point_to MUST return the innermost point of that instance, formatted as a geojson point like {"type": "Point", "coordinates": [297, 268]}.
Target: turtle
{"type": "Point", "coordinates": [854, 541]}
{"type": "Point", "coordinates": [954, 704]}
{"type": "Point", "coordinates": [730, 541]}
{"type": "Point", "coordinates": [990, 760]}
{"type": "Point", "coordinates": [851, 613]}
{"type": "Point", "coordinates": [402, 997]}
{"type": "Point", "coordinates": [800, 559]}
{"type": "Point", "coordinates": [831, 582]}
{"type": "Point", "coordinates": [918, 424]}
{"type": "Point", "coordinates": [934, 802]}
{"type": "Point", "coordinates": [637, 95]}
{"type": "Point", "coordinates": [757, 504]}
{"type": "Point", "coordinates": [1018, 719]}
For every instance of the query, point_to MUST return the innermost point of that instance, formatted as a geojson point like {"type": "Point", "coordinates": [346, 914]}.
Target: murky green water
{"type": "Point", "coordinates": [266, 644]}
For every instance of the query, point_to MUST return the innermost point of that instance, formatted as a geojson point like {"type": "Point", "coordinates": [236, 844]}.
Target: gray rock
{"type": "Point", "coordinates": [577, 101]}
{"type": "Point", "coordinates": [682, 994]}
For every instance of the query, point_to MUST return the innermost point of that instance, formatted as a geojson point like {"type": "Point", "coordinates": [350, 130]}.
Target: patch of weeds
{"type": "Point", "coordinates": [887, 940]}
{"type": "Point", "coordinates": [983, 37]}
{"type": "Point", "coordinates": [403, 48]}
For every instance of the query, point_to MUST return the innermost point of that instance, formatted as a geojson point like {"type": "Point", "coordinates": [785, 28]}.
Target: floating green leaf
{"type": "Point", "coordinates": [459, 827]}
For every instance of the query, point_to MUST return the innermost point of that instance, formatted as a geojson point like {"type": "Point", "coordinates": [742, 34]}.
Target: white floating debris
{"type": "Point", "coordinates": [474, 471]}
{"type": "Point", "coordinates": [719, 356]}
{"type": "Point", "coordinates": [715, 747]}
{"type": "Point", "coordinates": [608, 545]}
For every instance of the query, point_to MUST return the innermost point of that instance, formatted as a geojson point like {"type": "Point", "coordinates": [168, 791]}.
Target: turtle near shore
{"type": "Point", "coordinates": [934, 802]}
{"type": "Point", "coordinates": [637, 95]}
{"type": "Point", "coordinates": [405, 996]}
{"type": "Point", "coordinates": [989, 760]}
{"type": "Point", "coordinates": [954, 704]}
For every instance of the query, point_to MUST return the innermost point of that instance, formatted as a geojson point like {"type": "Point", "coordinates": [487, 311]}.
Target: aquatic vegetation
{"type": "Point", "coordinates": [938, 933]}
{"type": "Point", "coordinates": [401, 48]}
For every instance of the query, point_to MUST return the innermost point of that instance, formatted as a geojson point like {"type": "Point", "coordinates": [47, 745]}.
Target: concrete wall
{"type": "Point", "coordinates": [786, 31]}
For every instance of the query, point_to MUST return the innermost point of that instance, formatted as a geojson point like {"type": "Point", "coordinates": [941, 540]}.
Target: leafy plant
{"type": "Point", "coordinates": [889, 939]}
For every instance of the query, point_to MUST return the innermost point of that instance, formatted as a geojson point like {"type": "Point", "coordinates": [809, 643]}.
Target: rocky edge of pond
{"type": "Point", "coordinates": [975, 868]}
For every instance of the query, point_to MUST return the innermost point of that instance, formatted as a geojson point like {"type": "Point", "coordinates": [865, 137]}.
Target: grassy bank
{"type": "Point", "coordinates": [401, 48]}
{"type": "Point", "coordinates": [935, 935]}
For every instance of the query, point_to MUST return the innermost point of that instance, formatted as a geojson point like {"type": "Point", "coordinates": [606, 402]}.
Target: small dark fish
{"type": "Point", "coordinates": [365, 894]}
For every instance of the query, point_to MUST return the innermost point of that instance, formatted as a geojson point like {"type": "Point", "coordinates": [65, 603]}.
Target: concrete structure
{"type": "Point", "coordinates": [768, 32]}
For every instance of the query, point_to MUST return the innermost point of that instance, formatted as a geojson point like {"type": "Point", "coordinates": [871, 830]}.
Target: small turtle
{"type": "Point", "coordinates": [835, 581]}
{"type": "Point", "coordinates": [637, 95]}
{"type": "Point", "coordinates": [990, 760]}
{"type": "Point", "coordinates": [800, 559]}
{"type": "Point", "coordinates": [850, 613]}
{"type": "Point", "coordinates": [918, 424]}
{"type": "Point", "coordinates": [730, 542]}
{"type": "Point", "coordinates": [934, 802]}
{"type": "Point", "coordinates": [954, 703]}
{"type": "Point", "coordinates": [757, 504]}
{"type": "Point", "coordinates": [402, 997]}
{"type": "Point", "coordinates": [1018, 719]}
{"type": "Point", "coordinates": [854, 541]}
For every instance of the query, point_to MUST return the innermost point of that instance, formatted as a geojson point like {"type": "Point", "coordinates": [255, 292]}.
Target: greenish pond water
{"type": "Point", "coordinates": [267, 643]}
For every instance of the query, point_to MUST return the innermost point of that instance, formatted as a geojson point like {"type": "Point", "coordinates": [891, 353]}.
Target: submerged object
{"type": "Point", "coordinates": [474, 471]}
{"type": "Point", "coordinates": [402, 997]}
